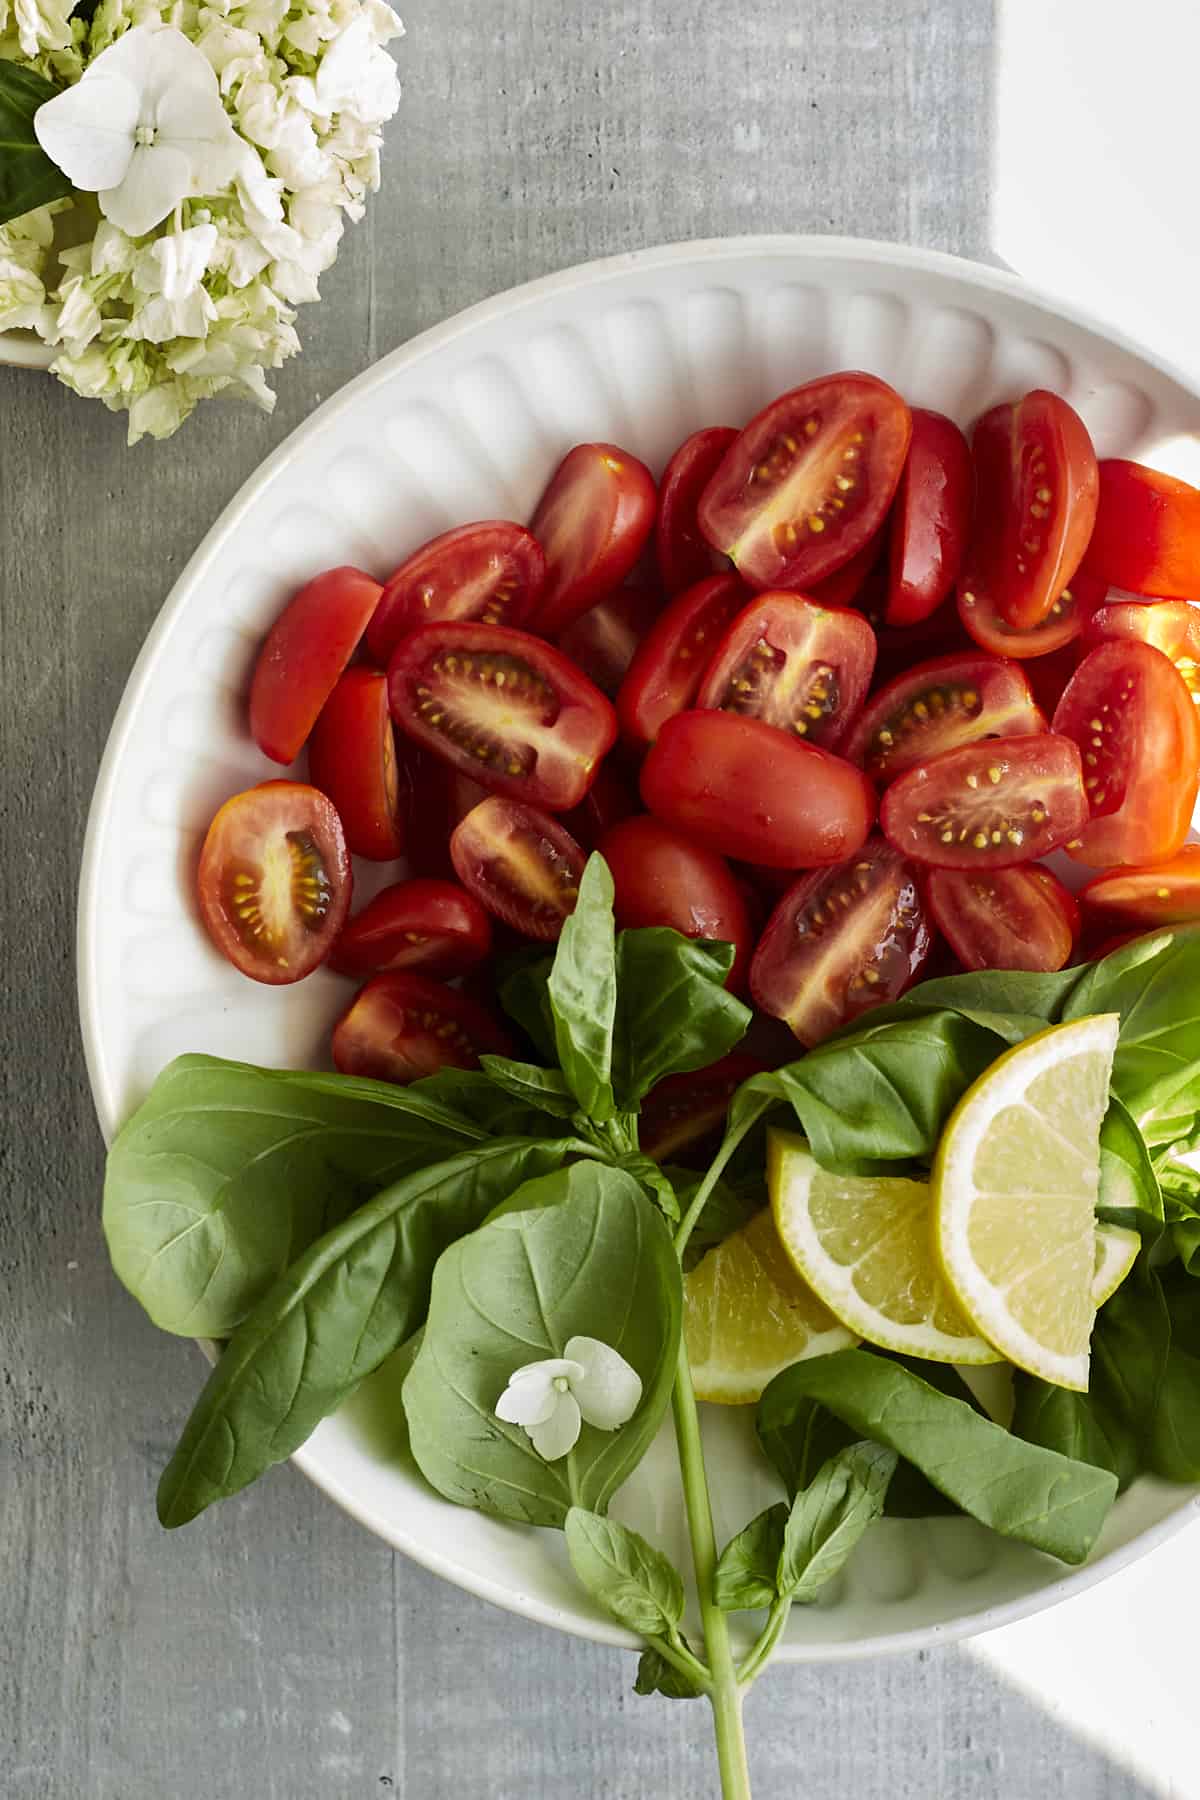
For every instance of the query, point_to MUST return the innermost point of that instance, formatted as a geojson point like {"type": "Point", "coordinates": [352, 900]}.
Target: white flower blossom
{"type": "Point", "coordinates": [550, 1399]}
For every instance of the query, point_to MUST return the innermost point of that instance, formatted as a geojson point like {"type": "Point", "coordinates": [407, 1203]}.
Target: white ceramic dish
{"type": "Point", "coordinates": [24, 350]}
{"type": "Point", "coordinates": [465, 423]}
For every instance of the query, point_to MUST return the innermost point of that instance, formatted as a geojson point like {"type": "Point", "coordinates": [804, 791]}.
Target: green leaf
{"type": "Point", "coordinates": [1173, 1442]}
{"type": "Point", "coordinates": [543, 1089]}
{"type": "Point", "coordinates": [1154, 983]}
{"type": "Point", "coordinates": [1129, 1190]}
{"type": "Point", "coordinates": [749, 1564]}
{"type": "Point", "coordinates": [350, 1300]}
{"type": "Point", "coordinates": [674, 1013]}
{"type": "Point", "coordinates": [601, 1264]}
{"type": "Point", "coordinates": [1070, 1423]}
{"type": "Point", "coordinates": [730, 1205]}
{"type": "Point", "coordinates": [476, 1098]}
{"type": "Point", "coordinates": [1013, 1003]}
{"type": "Point", "coordinates": [580, 1178]}
{"type": "Point", "coordinates": [524, 992]}
{"type": "Point", "coordinates": [830, 1516]}
{"type": "Point", "coordinates": [583, 993]}
{"type": "Point", "coordinates": [655, 1675]}
{"type": "Point", "coordinates": [226, 1173]}
{"type": "Point", "coordinates": [627, 1576]}
{"type": "Point", "coordinates": [28, 178]}
{"type": "Point", "coordinates": [656, 1182]}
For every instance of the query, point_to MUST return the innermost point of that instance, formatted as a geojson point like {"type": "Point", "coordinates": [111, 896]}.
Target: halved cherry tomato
{"type": "Point", "coordinates": [1036, 484]}
{"type": "Point", "coordinates": [680, 1115]}
{"type": "Point", "coordinates": [751, 792]}
{"type": "Point", "coordinates": [609, 800]}
{"type": "Point", "coordinates": [669, 663]}
{"type": "Point", "coordinates": [841, 941]}
{"type": "Point", "coordinates": [592, 521]}
{"type": "Point", "coordinates": [274, 881]}
{"type": "Point", "coordinates": [603, 641]}
{"type": "Point", "coordinates": [809, 480]}
{"type": "Point", "coordinates": [1128, 709]}
{"type": "Point", "coordinates": [1172, 626]}
{"type": "Point", "coordinates": [305, 652]}
{"type": "Point", "coordinates": [930, 520]}
{"type": "Point", "coordinates": [939, 706]}
{"type": "Point", "coordinates": [493, 572]}
{"type": "Point", "coordinates": [684, 554]}
{"type": "Point", "coordinates": [520, 864]}
{"type": "Point", "coordinates": [510, 711]}
{"type": "Point", "coordinates": [1147, 535]}
{"type": "Point", "coordinates": [352, 758]}
{"type": "Point", "coordinates": [989, 805]}
{"type": "Point", "coordinates": [403, 1027]}
{"type": "Point", "coordinates": [1067, 619]}
{"type": "Point", "coordinates": [662, 878]}
{"type": "Point", "coordinates": [1168, 893]}
{"type": "Point", "coordinates": [1006, 918]}
{"type": "Point", "coordinates": [433, 926]}
{"type": "Point", "coordinates": [793, 664]}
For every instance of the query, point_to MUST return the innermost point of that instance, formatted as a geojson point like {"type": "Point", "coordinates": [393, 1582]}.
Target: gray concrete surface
{"type": "Point", "coordinates": [276, 1652]}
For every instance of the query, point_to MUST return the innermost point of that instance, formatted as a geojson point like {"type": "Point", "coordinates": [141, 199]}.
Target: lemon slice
{"type": "Point", "coordinates": [864, 1244]}
{"type": "Point", "coordinates": [1015, 1183]}
{"type": "Point", "coordinates": [1116, 1252]}
{"type": "Point", "coordinates": [747, 1315]}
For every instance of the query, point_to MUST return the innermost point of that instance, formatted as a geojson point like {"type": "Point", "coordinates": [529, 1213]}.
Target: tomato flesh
{"type": "Point", "coordinates": [793, 664]}
{"type": "Point", "coordinates": [432, 926]}
{"type": "Point", "coordinates": [989, 805]}
{"type": "Point", "coordinates": [1147, 535]}
{"type": "Point", "coordinates": [274, 881]}
{"type": "Point", "coordinates": [684, 554]}
{"type": "Point", "coordinates": [352, 758]}
{"type": "Point", "coordinates": [1067, 618]}
{"type": "Point", "coordinates": [938, 706]}
{"type": "Point", "coordinates": [303, 657]}
{"type": "Point", "coordinates": [682, 1113]}
{"type": "Point", "coordinates": [1021, 918]}
{"type": "Point", "coordinates": [403, 1027]}
{"type": "Point", "coordinates": [493, 572]}
{"type": "Point", "coordinates": [930, 520]}
{"type": "Point", "coordinates": [602, 643]}
{"type": "Point", "coordinates": [661, 878]}
{"type": "Point", "coordinates": [520, 864]}
{"type": "Point", "coordinates": [669, 664]}
{"type": "Point", "coordinates": [593, 522]}
{"type": "Point", "coordinates": [1171, 626]}
{"type": "Point", "coordinates": [1168, 893]}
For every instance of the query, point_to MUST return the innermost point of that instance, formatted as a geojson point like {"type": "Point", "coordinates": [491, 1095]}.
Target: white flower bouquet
{"type": "Point", "coordinates": [174, 178]}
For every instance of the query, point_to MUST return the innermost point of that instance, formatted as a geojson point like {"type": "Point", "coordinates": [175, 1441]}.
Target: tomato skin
{"type": "Point", "coordinates": [669, 664]}
{"type": "Point", "coordinates": [832, 451]}
{"type": "Point", "coordinates": [520, 864]}
{"type": "Point", "coordinates": [593, 522]}
{"type": "Point", "coordinates": [662, 878]}
{"type": "Point", "coordinates": [303, 657]}
{"type": "Point", "coordinates": [352, 758]}
{"type": "Point", "coordinates": [1022, 918]}
{"type": "Point", "coordinates": [298, 829]}
{"type": "Point", "coordinates": [1166, 893]}
{"type": "Point", "coordinates": [798, 666]}
{"type": "Point", "coordinates": [684, 554]}
{"type": "Point", "coordinates": [402, 1027]}
{"type": "Point", "coordinates": [492, 572]}
{"type": "Point", "coordinates": [931, 519]}
{"type": "Point", "coordinates": [748, 791]}
{"type": "Point", "coordinates": [1172, 626]}
{"type": "Point", "coordinates": [1147, 535]}
{"type": "Point", "coordinates": [1025, 791]}
{"type": "Point", "coordinates": [1067, 619]}
{"type": "Point", "coordinates": [603, 641]}
{"type": "Point", "coordinates": [430, 926]}
{"type": "Point", "coordinates": [684, 1111]}
{"type": "Point", "coordinates": [444, 673]}
{"type": "Point", "coordinates": [964, 699]}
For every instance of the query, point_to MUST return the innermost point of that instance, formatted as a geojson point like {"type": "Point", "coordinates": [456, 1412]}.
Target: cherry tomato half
{"type": "Point", "coordinates": [668, 665]}
{"type": "Point", "coordinates": [1147, 535]}
{"type": "Point", "coordinates": [1128, 709]}
{"type": "Point", "coordinates": [662, 878]}
{"type": "Point", "coordinates": [1172, 626]}
{"type": "Point", "coordinates": [930, 520]}
{"type": "Point", "coordinates": [1167, 893]}
{"type": "Point", "coordinates": [809, 480]}
{"type": "Point", "coordinates": [403, 1027]}
{"type": "Point", "coordinates": [684, 554]}
{"type": "Point", "coordinates": [602, 643]}
{"type": "Point", "coordinates": [274, 881]}
{"type": "Point", "coordinates": [793, 664]}
{"type": "Point", "coordinates": [593, 522]}
{"type": "Point", "coordinates": [989, 805]}
{"type": "Point", "coordinates": [493, 572]}
{"type": "Point", "coordinates": [939, 706]}
{"type": "Point", "coordinates": [842, 940]}
{"type": "Point", "coordinates": [682, 1113]}
{"type": "Point", "coordinates": [751, 792]}
{"type": "Point", "coordinates": [352, 758]}
{"type": "Point", "coordinates": [508, 710]}
{"type": "Point", "coordinates": [304, 654]}
{"type": "Point", "coordinates": [1067, 618]}
{"type": "Point", "coordinates": [431, 926]}
{"type": "Point", "coordinates": [520, 864]}
{"type": "Point", "coordinates": [1005, 919]}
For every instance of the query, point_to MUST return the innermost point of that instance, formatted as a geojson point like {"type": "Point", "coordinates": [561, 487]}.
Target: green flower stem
{"type": "Point", "coordinates": [700, 1198]}
{"type": "Point", "coordinates": [676, 1652]}
{"type": "Point", "coordinates": [763, 1650]}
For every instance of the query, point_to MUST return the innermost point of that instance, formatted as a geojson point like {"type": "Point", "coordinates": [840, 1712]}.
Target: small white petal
{"type": "Point", "coordinates": [157, 179]}
{"type": "Point", "coordinates": [552, 1368]}
{"type": "Point", "coordinates": [87, 131]}
{"type": "Point", "coordinates": [555, 1436]}
{"type": "Point", "coordinates": [192, 119]}
{"type": "Point", "coordinates": [528, 1402]}
{"type": "Point", "coordinates": [609, 1390]}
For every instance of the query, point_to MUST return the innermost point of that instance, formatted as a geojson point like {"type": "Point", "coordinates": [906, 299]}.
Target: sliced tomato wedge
{"type": "Point", "coordinates": [1167, 893]}
{"type": "Point", "coordinates": [808, 481]}
{"type": "Point", "coordinates": [662, 878]}
{"type": "Point", "coordinates": [989, 805]}
{"type": "Point", "coordinates": [506, 709]}
{"type": "Point", "coordinates": [930, 520]}
{"type": "Point", "coordinates": [1036, 486]}
{"type": "Point", "coordinates": [793, 664]}
{"type": "Point", "coordinates": [669, 664]}
{"type": "Point", "coordinates": [403, 1027]}
{"type": "Point", "coordinates": [1067, 619]}
{"type": "Point", "coordinates": [493, 572]}
{"type": "Point", "coordinates": [681, 1115]}
{"type": "Point", "coordinates": [274, 881]}
{"type": "Point", "coordinates": [941, 705]}
{"type": "Point", "coordinates": [1128, 709]}
{"type": "Point", "coordinates": [352, 758]}
{"type": "Point", "coordinates": [1005, 919]}
{"type": "Point", "coordinates": [1147, 535]}
{"type": "Point", "coordinates": [303, 657]}
{"type": "Point", "coordinates": [1171, 626]}
{"type": "Point", "coordinates": [684, 554]}
{"type": "Point", "coordinates": [520, 864]}
{"type": "Point", "coordinates": [593, 522]}
{"type": "Point", "coordinates": [430, 926]}
{"type": "Point", "coordinates": [602, 643]}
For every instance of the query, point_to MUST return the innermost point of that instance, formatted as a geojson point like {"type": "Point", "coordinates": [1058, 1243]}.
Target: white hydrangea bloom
{"type": "Point", "coordinates": [24, 252]}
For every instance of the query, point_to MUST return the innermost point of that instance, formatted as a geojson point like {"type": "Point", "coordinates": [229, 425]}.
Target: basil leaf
{"type": "Point", "coordinates": [543, 1089]}
{"type": "Point", "coordinates": [1129, 1190]}
{"type": "Point", "coordinates": [1173, 1443]}
{"type": "Point", "coordinates": [655, 1675]}
{"type": "Point", "coordinates": [523, 990]}
{"type": "Point", "coordinates": [630, 1578]}
{"type": "Point", "coordinates": [1071, 1423]}
{"type": "Point", "coordinates": [731, 1205]}
{"type": "Point", "coordinates": [655, 1181]}
{"type": "Point", "coordinates": [551, 1190]}
{"type": "Point", "coordinates": [674, 1012]}
{"type": "Point", "coordinates": [600, 1264]}
{"type": "Point", "coordinates": [829, 1517]}
{"type": "Point", "coordinates": [746, 1573]}
{"type": "Point", "coordinates": [476, 1097]}
{"type": "Point", "coordinates": [1013, 1003]}
{"type": "Point", "coordinates": [346, 1304]}
{"type": "Point", "coordinates": [583, 993]}
{"type": "Point", "coordinates": [226, 1173]}
{"type": "Point", "coordinates": [1154, 983]}
{"type": "Point", "coordinates": [28, 178]}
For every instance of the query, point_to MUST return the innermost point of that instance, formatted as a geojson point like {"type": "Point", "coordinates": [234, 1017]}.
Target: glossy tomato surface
{"type": "Point", "coordinates": [403, 1027]}
{"type": "Point", "coordinates": [274, 881]}
{"type": "Point", "coordinates": [505, 708]}
{"type": "Point", "coordinates": [801, 667]}
{"type": "Point", "coordinates": [684, 554]}
{"type": "Point", "coordinates": [352, 758]}
{"type": "Point", "coordinates": [1147, 535]}
{"type": "Point", "coordinates": [938, 706]}
{"type": "Point", "coordinates": [683, 1113]}
{"type": "Point", "coordinates": [305, 652]}
{"type": "Point", "coordinates": [931, 520]}
{"type": "Point", "coordinates": [520, 864]}
{"type": "Point", "coordinates": [1067, 619]}
{"type": "Point", "coordinates": [1021, 918]}
{"type": "Point", "coordinates": [602, 643]}
{"type": "Point", "coordinates": [668, 665]}
{"type": "Point", "coordinates": [1172, 626]}
{"type": "Point", "coordinates": [662, 878]}
{"type": "Point", "coordinates": [593, 522]}
{"type": "Point", "coordinates": [989, 805]}
{"type": "Point", "coordinates": [1166, 893]}
{"type": "Point", "coordinates": [748, 791]}
{"type": "Point", "coordinates": [492, 572]}
{"type": "Point", "coordinates": [434, 927]}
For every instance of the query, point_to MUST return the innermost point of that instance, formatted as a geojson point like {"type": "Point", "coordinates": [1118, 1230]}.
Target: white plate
{"type": "Point", "coordinates": [467, 422]}
{"type": "Point", "coordinates": [25, 350]}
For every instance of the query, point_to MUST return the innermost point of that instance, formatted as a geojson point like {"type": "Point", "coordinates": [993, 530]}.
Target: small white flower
{"type": "Point", "coordinates": [171, 271]}
{"type": "Point", "coordinates": [548, 1399]}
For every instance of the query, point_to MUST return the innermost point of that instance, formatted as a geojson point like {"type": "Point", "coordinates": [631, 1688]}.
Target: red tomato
{"type": "Point", "coordinates": [1172, 626]}
{"type": "Point", "coordinates": [439, 797]}
{"type": "Point", "coordinates": [1166, 894]}
{"type": "Point", "coordinates": [1005, 919]}
{"type": "Point", "coordinates": [1067, 618]}
{"type": "Point", "coordinates": [680, 1115]}
{"type": "Point", "coordinates": [809, 481]}
{"type": "Point", "coordinates": [352, 759]}
{"type": "Point", "coordinates": [504, 708]}
{"type": "Point", "coordinates": [432, 926]}
{"type": "Point", "coordinates": [304, 654]}
{"type": "Point", "coordinates": [606, 803]}
{"type": "Point", "coordinates": [520, 864]}
{"type": "Point", "coordinates": [669, 663]}
{"type": "Point", "coordinates": [1128, 709]}
{"type": "Point", "coordinates": [930, 520]}
{"type": "Point", "coordinates": [603, 641]}
{"type": "Point", "coordinates": [742, 788]}
{"type": "Point", "coordinates": [1036, 483]}
{"type": "Point", "coordinates": [793, 664]}
{"type": "Point", "coordinates": [939, 706]}
{"type": "Point", "coordinates": [1147, 535]}
{"type": "Point", "coordinates": [989, 805]}
{"type": "Point", "coordinates": [493, 573]}
{"type": "Point", "coordinates": [661, 878]}
{"type": "Point", "coordinates": [848, 586]}
{"type": "Point", "coordinates": [1049, 675]}
{"type": "Point", "coordinates": [403, 1027]}
{"type": "Point", "coordinates": [274, 881]}
{"type": "Point", "coordinates": [592, 521]}
{"type": "Point", "coordinates": [840, 941]}
{"type": "Point", "coordinates": [684, 555]}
